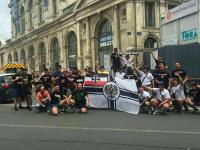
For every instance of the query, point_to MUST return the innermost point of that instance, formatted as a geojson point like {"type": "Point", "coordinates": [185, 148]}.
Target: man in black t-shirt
{"type": "Point", "coordinates": [162, 76]}
{"type": "Point", "coordinates": [179, 71]}
{"type": "Point", "coordinates": [194, 96]}
{"type": "Point", "coordinates": [79, 95]}
{"type": "Point", "coordinates": [27, 88]}
{"type": "Point", "coordinates": [17, 80]}
{"type": "Point", "coordinates": [46, 80]}
{"type": "Point", "coordinates": [115, 61]}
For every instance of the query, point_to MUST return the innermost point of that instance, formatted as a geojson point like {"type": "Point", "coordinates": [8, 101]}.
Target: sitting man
{"type": "Point", "coordinates": [79, 95]}
{"type": "Point", "coordinates": [42, 100]}
{"type": "Point", "coordinates": [144, 98]}
{"type": "Point", "coordinates": [177, 94]}
{"type": "Point", "coordinates": [56, 98]}
{"type": "Point", "coordinates": [162, 99]}
{"type": "Point", "coordinates": [67, 101]}
{"type": "Point", "coordinates": [194, 96]}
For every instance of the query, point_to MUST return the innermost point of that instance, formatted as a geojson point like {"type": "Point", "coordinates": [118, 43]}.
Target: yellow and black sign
{"type": "Point", "coordinates": [11, 66]}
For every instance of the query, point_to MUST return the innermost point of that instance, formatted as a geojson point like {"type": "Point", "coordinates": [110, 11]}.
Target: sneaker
{"type": "Point", "coordinates": [195, 110]}
{"type": "Point", "coordinates": [21, 107]}
{"type": "Point", "coordinates": [30, 108]}
{"type": "Point", "coordinates": [15, 108]}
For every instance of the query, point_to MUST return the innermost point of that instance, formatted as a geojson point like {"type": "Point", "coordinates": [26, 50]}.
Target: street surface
{"type": "Point", "coordinates": [99, 129]}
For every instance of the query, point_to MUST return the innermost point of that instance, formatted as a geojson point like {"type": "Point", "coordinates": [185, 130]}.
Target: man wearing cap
{"type": "Point", "coordinates": [146, 77]}
{"type": "Point", "coordinates": [162, 98]}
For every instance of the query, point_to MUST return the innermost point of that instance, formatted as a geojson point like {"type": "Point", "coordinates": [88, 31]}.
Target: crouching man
{"type": "Point", "coordinates": [79, 95]}
{"type": "Point", "coordinates": [144, 97]}
{"type": "Point", "coordinates": [177, 94]}
{"type": "Point", "coordinates": [161, 100]}
{"type": "Point", "coordinates": [43, 100]}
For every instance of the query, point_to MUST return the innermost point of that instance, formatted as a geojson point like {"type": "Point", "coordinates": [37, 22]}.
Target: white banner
{"type": "Point", "coordinates": [181, 11]}
{"type": "Point", "coordinates": [125, 93]}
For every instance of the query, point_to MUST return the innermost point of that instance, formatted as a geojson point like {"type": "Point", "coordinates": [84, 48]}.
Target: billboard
{"type": "Point", "coordinates": [181, 11]}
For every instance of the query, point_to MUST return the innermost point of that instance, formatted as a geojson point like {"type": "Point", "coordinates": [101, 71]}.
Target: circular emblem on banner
{"type": "Point", "coordinates": [111, 91]}
{"type": "Point", "coordinates": [169, 15]}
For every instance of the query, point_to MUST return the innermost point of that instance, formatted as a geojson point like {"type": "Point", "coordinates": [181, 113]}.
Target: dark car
{"type": "Point", "coordinates": [6, 87]}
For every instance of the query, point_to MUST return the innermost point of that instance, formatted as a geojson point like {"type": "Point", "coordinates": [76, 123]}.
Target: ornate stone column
{"type": "Point", "coordinates": [116, 27]}
{"type": "Point", "coordinates": [131, 24]}
{"type": "Point", "coordinates": [37, 13]}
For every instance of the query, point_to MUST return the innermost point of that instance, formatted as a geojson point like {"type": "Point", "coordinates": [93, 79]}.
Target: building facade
{"type": "Point", "coordinates": [80, 33]}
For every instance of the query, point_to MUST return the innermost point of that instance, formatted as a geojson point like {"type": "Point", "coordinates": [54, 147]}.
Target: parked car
{"type": "Point", "coordinates": [6, 87]}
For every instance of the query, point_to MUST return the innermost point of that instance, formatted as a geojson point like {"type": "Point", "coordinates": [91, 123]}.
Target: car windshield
{"type": "Point", "coordinates": [8, 78]}
{"type": "Point", "coordinates": [2, 80]}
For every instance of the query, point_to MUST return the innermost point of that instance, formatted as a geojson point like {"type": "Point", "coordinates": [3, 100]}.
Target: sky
{"type": "Point", "coordinates": [5, 23]}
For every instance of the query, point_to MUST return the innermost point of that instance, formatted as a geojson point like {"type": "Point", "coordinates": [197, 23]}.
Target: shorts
{"type": "Point", "coordinates": [17, 92]}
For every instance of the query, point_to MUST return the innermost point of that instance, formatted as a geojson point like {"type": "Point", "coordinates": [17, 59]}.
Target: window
{"type": "Point", "coordinates": [149, 14]}
{"type": "Point", "coordinates": [171, 6]}
{"type": "Point", "coordinates": [23, 56]}
{"type": "Point", "coordinates": [124, 17]}
{"type": "Point", "coordinates": [42, 56]}
{"type": "Point", "coordinates": [32, 59]}
{"type": "Point", "coordinates": [55, 54]}
{"type": "Point", "coordinates": [15, 56]}
{"type": "Point", "coordinates": [72, 49]}
{"type": "Point", "coordinates": [55, 9]}
{"type": "Point", "coordinates": [22, 15]}
{"type": "Point", "coordinates": [150, 42]}
{"type": "Point", "coordinates": [9, 58]}
{"type": "Point", "coordinates": [42, 11]}
{"type": "Point", "coordinates": [31, 14]}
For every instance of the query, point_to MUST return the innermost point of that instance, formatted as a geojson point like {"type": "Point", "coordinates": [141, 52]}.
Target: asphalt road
{"type": "Point", "coordinates": [99, 130]}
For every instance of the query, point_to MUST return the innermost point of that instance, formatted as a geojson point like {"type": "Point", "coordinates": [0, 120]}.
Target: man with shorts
{"type": "Point", "coordinates": [79, 95]}
{"type": "Point", "coordinates": [162, 98]}
{"type": "Point", "coordinates": [17, 80]}
{"type": "Point", "coordinates": [194, 97]}
{"type": "Point", "coordinates": [144, 98]}
{"type": "Point", "coordinates": [43, 100]}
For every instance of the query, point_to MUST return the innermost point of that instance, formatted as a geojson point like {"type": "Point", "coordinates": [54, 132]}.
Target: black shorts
{"type": "Point", "coordinates": [80, 105]}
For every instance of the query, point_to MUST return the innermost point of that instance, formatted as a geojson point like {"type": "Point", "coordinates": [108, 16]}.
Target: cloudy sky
{"type": "Point", "coordinates": [5, 23]}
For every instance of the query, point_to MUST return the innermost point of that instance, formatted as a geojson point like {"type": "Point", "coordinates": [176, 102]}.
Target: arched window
{"type": "Point", "coordinates": [42, 56]}
{"type": "Point", "coordinates": [150, 42]}
{"type": "Point", "coordinates": [23, 56]}
{"type": "Point", "coordinates": [72, 49]}
{"type": "Point", "coordinates": [32, 58]}
{"type": "Point", "coordinates": [31, 14]}
{"type": "Point", "coordinates": [22, 17]}
{"type": "Point", "coordinates": [105, 43]}
{"type": "Point", "coordinates": [9, 58]}
{"type": "Point", "coordinates": [42, 11]}
{"type": "Point", "coordinates": [55, 54]}
{"type": "Point", "coordinates": [15, 56]}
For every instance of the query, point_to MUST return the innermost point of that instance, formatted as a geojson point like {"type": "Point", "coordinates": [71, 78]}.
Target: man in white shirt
{"type": "Point", "coordinates": [146, 77]}
{"type": "Point", "coordinates": [144, 98]}
{"type": "Point", "coordinates": [162, 98]}
{"type": "Point", "coordinates": [177, 94]}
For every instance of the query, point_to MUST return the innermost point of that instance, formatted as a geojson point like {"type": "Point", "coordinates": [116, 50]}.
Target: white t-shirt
{"type": "Point", "coordinates": [161, 95]}
{"type": "Point", "coordinates": [144, 94]}
{"type": "Point", "coordinates": [148, 78]}
{"type": "Point", "coordinates": [178, 91]}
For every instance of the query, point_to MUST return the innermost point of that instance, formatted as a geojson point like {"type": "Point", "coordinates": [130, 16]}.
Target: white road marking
{"type": "Point", "coordinates": [102, 129]}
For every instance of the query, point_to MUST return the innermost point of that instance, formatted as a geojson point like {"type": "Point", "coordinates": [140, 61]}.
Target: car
{"type": "Point", "coordinates": [6, 87]}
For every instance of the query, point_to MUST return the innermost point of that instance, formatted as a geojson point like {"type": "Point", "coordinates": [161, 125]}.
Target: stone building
{"type": "Point", "coordinates": [80, 32]}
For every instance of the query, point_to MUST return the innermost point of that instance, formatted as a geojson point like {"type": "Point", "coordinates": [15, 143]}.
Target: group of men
{"type": "Point", "coordinates": [158, 89]}
{"type": "Point", "coordinates": [59, 90]}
